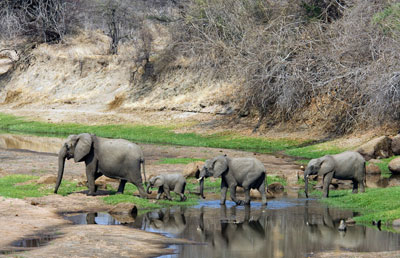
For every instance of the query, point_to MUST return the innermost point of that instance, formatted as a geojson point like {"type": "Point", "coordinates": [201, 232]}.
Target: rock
{"type": "Point", "coordinates": [394, 166]}
{"type": "Point", "coordinates": [396, 223]}
{"type": "Point", "coordinates": [276, 187]}
{"type": "Point", "coordinates": [374, 161]}
{"type": "Point", "coordinates": [376, 148]}
{"type": "Point", "coordinates": [124, 208]}
{"type": "Point", "coordinates": [192, 169]}
{"type": "Point", "coordinates": [396, 145]}
{"type": "Point", "coordinates": [350, 221]}
{"type": "Point", "coordinates": [372, 169]}
{"type": "Point", "coordinates": [49, 179]}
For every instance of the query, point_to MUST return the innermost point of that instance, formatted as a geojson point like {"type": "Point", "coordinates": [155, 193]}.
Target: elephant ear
{"type": "Point", "coordinates": [158, 181]}
{"type": "Point", "coordinates": [220, 166]}
{"type": "Point", "coordinates": [327, 165]}
{"type": "Point", "coordinates": [83, 146]}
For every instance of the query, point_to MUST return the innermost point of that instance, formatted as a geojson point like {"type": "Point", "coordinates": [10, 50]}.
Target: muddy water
{"type": "Point", "coordinates": [285, 228]}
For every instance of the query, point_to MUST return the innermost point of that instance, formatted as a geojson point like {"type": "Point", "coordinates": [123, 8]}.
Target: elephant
{"type": "Point", "coordinates": [114, 158]}
{"type": "Point", "coordinates": [165, 183]}
{"type": "Point", "coordinates": [348, 165]}
{"type": "Point", "coordinates": [248, 173]}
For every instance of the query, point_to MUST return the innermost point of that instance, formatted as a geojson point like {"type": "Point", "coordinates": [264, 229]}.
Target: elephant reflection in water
{"type": "Point", "coordinates": [325, 231]}
{"type": "Point", "coordinates": [240, 232]}
{"type": "Point", "coordinates": [166, 220]}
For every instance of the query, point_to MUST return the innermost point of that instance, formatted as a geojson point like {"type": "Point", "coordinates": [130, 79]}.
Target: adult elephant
{"type": "Point", "coordinates": [349, 165]}
{"type": "Point", "coordinates": [114, 158]}
{"type": "Point", "coordinates": [248, 173]}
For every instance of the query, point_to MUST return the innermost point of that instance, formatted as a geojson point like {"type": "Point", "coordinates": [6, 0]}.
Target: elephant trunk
{"type": "Point", "coordinates": [201, 180]}
{"type": "Point", "coordinates": [144, 172]}
{"type": "Point", "coordinates": [61, 162]}
{"type": "Point", "coordinates": [306, 184]}
{"type": "Point", "coordinates": [148, 189]}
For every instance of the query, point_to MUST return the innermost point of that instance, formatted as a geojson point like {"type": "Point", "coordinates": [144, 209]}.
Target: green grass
{"type": "Point", "coordinates": [314, 151]}
{"type": "Point", "coordinates": [375, 204]}
{"type": "Point", "coordinates": [383, 165]}
{"type": "Point", "coordinates": [11, 187]}
{"type": "Point", "coordinates": [178, 160]}
{"type": "Point", "coordinates": [149, 134]}
{"type": "Point", "coordinates": [276, 179]}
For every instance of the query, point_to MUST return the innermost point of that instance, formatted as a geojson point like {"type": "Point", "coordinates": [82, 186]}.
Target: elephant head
{"type": "Point", "coordinates": [156, 181]}
{"type": "Point", "coordinates": [77, 147]}
{"type": "Point", "coordinates": [212, 167]}
{"type": "Point", "coordinates": [318, 166]}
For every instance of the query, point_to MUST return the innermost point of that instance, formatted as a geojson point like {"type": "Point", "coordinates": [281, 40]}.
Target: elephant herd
{"type": "Point", "coordinates": [122, 159]}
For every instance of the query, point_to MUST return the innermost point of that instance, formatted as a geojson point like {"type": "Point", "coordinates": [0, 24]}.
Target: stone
{"type": "Point", "coordinates": [49, 179]}
{"type": "Point", "coordinates": [396, 223]}
{"type": "Point", "coordinates": [394, 166]}
{"type": "Point", "coordinates": [396, 145]}
{"type": "Point", "coordinates": [124, 208]}
{"type": "Point", "coordinates": [192, 169]}
{"type": "Point", "coordinates": [379, 147]}
{"type": "Point", "coordinates": [372, 168]}
{"type": "Point", "coordinates": [276, 187]}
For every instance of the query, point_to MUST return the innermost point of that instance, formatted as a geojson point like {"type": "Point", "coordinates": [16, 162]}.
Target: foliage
{"type": "Point", "coordinates": [314, 151]}
{"type": "Point", "coordinates": [389, 19]}
{"type": "Point", "coordinates": [15, 186]}
{"type": "Point", "coordinates": [276, 179]}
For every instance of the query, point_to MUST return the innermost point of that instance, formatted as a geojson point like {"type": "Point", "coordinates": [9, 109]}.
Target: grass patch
{"type": "Point", "coordinates": [149, 134]}
{"type": "Point", "coordinates": [375, 204]}
{"type": "Point", "coordinates": [178, 160]}
{"type": "Point", "coordinates": [383, 165]}
{"type": "Point", "coordinates": [314, 151]}
{"type": "Point", "coordinates": [276, 179]}
{"type": "Point", "coordinates": [12, 186]}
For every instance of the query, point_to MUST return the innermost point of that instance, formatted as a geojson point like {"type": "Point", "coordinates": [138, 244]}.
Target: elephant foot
{"type": "Point", "coordinates": [184, 198]}
{"type": "Point", "coordinates": [264, 203]}
{"type": "Point", "coordinates": [91, 194]}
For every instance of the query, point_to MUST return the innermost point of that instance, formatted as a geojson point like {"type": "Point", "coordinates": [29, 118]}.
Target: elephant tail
{"type": "Point", "coordinates": [365, 173]}
{"type": "Point", "coordinates": [144, 171]}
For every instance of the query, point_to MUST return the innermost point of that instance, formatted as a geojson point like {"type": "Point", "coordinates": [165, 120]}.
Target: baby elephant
{"type": "Point", "coordinates": [165, 183]}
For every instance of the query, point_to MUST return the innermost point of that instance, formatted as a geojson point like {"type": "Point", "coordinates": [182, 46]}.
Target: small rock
{"type": "Point", "coordinates": [49, 179]}
{"type": "Point", "coordinates": [379, 147]}
{"type": "Point", "coordinates": [124, 208]}
{"type": "Point", "coordinates": [396, 145]}
{"type": "Point", "coordinates": [394, 166]}
{"type": "Point", "coordinates": [396, 223]}
{"type": "Point", "coordinates": [192, 169]}
{"type": "Point", "coordinates": [34, 203]}
{"type": "Point", "coordinates": [276, 187]}
{"type": "Point", "coordinates": [372, 169]}
{"type": "Point", "coordinates": [350, 221]}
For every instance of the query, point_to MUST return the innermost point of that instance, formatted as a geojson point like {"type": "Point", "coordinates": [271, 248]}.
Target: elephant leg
{"type": "Point", "coordinates": [232, 190]}
{"type": "Point", "coordinates": [121, 186]}
{"type": "Point", "coordinates": [362, 186]}
{"type": "Point", "coordinates": [140, 187]}
{"type": "Point", "coordinates": [166, 190]}
{"type": "Point", "coordinates": [355, 186]}
{"type": "Point", "coordinates": [327, 181]}
{"type": "Point", "coordinates": [160, 191]}
{"type": "Point", "coordinates": [261, 189]}
{"type": "Point", "coordinates": [224, 188]}
{"type": "Point", "coordinates": [182, 192]}
{"type": "Point", "coordinates": [247, 196]}
{"type": "Point", "coordinates": [91, 169]}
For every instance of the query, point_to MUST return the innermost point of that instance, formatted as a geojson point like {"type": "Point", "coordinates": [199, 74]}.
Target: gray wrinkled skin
{"type": "Point", "coordinates": [114, 158]}
{"type": "Point", "coordinates": [167, 183]}
{"type": "Point", "coordinates": [349, 165]}
{"type": "Point", "coordinates": [248, 173]}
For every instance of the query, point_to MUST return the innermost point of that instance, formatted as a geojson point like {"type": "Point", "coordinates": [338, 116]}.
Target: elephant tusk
{"type": "Point", "coordinates": [200, 179]}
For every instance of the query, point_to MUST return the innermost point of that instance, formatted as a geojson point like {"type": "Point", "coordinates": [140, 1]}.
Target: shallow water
{"type": "Point", "coordinates": [285, 228]}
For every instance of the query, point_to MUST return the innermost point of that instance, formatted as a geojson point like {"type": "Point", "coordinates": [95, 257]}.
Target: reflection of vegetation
{"type": "Point", "coordinates": [178, 160]}
{"type": "Point", "coordinates": [150, 134]}
{"type": "Point", "coordinates": [375, 204]}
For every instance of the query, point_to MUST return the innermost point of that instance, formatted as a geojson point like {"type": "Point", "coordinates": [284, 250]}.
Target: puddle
{"type": "Point", "coordinates": [30, 143]}
{"type": "Point", "coordinates": [33, 242]}
{"type": "Point", "coordinates": [285, 228]}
